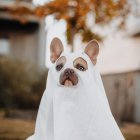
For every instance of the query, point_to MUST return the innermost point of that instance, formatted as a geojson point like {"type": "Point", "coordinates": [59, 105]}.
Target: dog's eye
{"type": "Point", "coordinates": [59, 67]}
{"type": "Point", "coordinates": [80, 67]}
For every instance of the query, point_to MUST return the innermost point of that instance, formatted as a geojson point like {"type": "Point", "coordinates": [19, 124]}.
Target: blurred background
{"type": "Point", "coordinates": [26, 30]}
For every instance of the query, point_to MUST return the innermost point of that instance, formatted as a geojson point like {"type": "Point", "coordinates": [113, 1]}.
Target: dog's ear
{"type": "Point", "coordinates": [92, 50]}
{"type": "Point", "coordinates": [56, 48]}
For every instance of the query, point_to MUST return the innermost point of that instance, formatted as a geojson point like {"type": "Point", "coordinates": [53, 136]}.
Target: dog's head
{"type": "Point", "coordinates": [67, 66]}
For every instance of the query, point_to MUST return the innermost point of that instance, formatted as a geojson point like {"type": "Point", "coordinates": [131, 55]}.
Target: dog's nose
{"type": "Point", "coordinates": [69, 72]}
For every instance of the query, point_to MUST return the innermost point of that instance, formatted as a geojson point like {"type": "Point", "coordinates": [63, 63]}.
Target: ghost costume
{"type": "Point", "coordinates": [79, 112]}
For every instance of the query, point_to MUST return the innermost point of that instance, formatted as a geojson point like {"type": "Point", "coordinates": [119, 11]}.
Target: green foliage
{"type": "Point", "coordinates": [21, 84]}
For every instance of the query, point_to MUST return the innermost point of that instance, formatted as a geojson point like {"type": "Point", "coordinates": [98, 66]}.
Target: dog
{"type": "Point", "coordinates": [74, 105]}
{"type": "Point", "coordinates": [68, 76]}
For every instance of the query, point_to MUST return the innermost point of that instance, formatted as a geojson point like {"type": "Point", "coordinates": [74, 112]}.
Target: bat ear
{"type": "Point", "coordinates": [56, 48]}
{"type": "Point", "coordinates": [92, 50]}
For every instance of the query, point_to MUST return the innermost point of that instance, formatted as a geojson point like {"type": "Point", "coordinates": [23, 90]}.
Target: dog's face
{"type": "Point", "coordinates": [69, 75]}
{"type": "Point", "coordinates": [67, 69]}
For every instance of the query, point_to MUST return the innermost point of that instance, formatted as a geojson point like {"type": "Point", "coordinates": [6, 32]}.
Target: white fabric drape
{"type": "Point", "coordinates": [80, 112]}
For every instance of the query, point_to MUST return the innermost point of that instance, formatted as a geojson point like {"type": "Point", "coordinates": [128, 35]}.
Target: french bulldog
{"type": "Point", "coordinates": [68, 76]}
{"type": "Point", "coordinates": [74, 105]}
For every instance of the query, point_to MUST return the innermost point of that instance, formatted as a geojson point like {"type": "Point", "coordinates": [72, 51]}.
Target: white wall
{"type": "Point", "coordinates": [119, 54]}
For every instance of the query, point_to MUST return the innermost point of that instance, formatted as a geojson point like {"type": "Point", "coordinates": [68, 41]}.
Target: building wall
{"type": "Point", "coordinates": [137, 97]}
{"type": "Point", "coordinates": [123, 92]}
{"type": "Point", "coordinates": [25, 41]}
{"type": "Point", "coordinates": [24, 46]}
{"type": "Point", "coordinates": [119, 53]}
{"type": "Point", "coordinates": [42, 45]}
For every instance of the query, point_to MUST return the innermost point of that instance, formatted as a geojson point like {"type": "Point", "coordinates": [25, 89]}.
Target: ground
{"type": "Point", "coordinates": [17, 129]}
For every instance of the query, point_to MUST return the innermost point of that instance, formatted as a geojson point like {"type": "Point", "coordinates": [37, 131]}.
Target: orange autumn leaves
{"type": "Point", "coordinates": [75, 12]}
{"type": "Point", "coordinates": [78, 9]}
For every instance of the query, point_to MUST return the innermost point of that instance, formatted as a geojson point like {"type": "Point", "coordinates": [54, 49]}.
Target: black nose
{"type": "Point", "coordinates": [69, 72]}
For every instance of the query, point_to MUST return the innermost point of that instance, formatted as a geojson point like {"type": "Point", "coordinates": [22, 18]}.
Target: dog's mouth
{"type": "Point", "coordinates": [68, 80]}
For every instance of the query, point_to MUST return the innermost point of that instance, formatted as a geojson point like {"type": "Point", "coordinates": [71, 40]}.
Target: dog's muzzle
{"type": "Point", "coordinates": [68, 77]}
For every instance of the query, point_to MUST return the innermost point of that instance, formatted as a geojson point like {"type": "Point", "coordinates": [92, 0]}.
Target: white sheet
{"type": "Point", "coordinates": [81, 112]}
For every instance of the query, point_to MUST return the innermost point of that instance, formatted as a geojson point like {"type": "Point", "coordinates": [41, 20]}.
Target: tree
{"type": "Point", "coordinates": [75, 12]}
